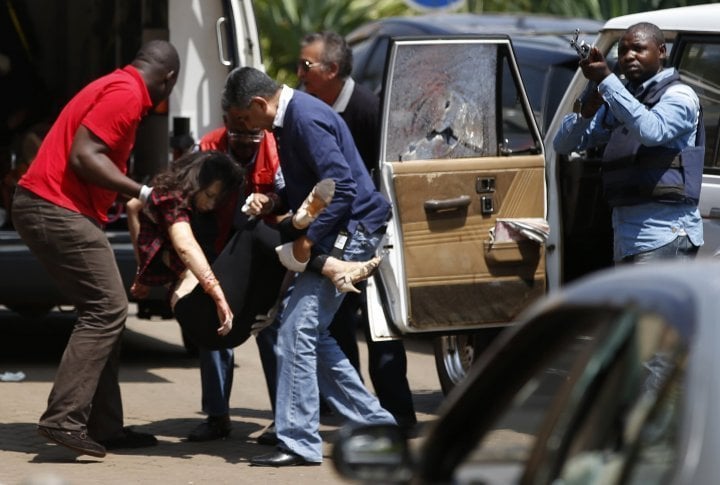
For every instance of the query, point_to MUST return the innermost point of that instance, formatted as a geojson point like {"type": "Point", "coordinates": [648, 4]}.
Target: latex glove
{"type": "Point", "coordinates": [246, 206]}
{"type": "Point", "coordinates": [287, 258]}
{"type": "Point", "coordinates": [264, 321]}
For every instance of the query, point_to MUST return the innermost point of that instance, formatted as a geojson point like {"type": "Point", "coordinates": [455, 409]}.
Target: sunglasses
{"type": "Point", "coordinates": [306, 65]}
{"type": "Point", "coordinates": [246, 137]}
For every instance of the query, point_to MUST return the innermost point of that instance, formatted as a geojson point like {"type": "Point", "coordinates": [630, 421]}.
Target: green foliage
{"type": "Point", "coordinates": [283, 23]}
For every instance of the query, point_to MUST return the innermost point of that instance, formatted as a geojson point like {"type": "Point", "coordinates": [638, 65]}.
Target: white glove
{"type": "Point", "coordinates": [246, 206]}
{"type": "Point", "coordinates": [264, 321]}
{"type": "Point", "coordinates": [287, 258]}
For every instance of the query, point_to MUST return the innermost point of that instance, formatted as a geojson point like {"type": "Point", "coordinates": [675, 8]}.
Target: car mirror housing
{"type": "Point", "coordinates": [373, 454]}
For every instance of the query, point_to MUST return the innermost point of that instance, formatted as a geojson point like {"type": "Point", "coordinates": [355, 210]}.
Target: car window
{"type": "Point", "coordinates": [698, 60]}
{"type": "Point", "coordinates": [604, 403]}
{"type": "Point", "coordinates": [442, 107]}
{"type": "Point", "coordinates": [375, 67]}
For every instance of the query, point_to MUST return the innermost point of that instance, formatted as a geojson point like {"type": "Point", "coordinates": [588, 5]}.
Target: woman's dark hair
{"type": "Point", "coordinates": [196, 171]}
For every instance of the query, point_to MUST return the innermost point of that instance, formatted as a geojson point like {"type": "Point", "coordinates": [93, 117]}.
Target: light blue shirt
{"type": "Point", "coordinates": [672, 122]}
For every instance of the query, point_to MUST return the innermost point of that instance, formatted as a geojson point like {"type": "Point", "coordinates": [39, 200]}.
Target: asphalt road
{"type": "Point", "coordinates": [161, 395]}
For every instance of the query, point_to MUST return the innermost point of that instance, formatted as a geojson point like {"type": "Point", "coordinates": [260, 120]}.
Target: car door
{"type": "Point", "coordinates": [462, 163]}
{"type": "Point", "coordinates": [696, 57]}
{"type": "Point", "coordinates": [212, 37]}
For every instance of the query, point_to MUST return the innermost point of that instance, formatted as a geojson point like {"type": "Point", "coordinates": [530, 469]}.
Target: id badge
{"type": "Point", "coordinates": [340, 243]}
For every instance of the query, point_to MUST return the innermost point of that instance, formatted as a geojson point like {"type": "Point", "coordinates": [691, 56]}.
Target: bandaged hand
{"type": "Point", "coordinates": [287, 258]}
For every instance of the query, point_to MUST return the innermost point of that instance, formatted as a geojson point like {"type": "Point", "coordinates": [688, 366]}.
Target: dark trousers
{"type": "Point", "coordinates": [387, 362]}
{"type": "Point", "coordinates": [77, 255]}
{"type": "Point", "coordinates": [251, 274]}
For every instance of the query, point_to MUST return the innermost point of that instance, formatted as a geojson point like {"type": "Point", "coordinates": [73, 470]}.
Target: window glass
{"type": "Point", "coordinates": [443, 102]}
{"type": "Point", "coordinates": [516, 134]}
{"type": "Point", "coordinates": [698, 67]}
{"type": "Point", "coordinates": [606, 397]}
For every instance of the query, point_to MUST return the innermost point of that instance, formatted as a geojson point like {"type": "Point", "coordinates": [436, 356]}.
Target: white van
{"type": "Point", "coordinates": [51, 49]}
{"type": "Point", "coordinates": [462, 160]}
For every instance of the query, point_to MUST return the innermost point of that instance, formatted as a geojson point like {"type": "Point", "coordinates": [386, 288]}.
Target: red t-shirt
{"type": "Point", "coordinates": [111, 107]}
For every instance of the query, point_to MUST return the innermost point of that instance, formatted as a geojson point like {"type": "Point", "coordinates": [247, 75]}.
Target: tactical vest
{"type": "Point", "coordinates": [635, 174]}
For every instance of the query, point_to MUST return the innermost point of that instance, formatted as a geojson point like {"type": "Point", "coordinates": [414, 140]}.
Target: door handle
{"type": "Point", "coordinates": [219, 33]}
{"type": "Point", "coordinates": [434, 205]}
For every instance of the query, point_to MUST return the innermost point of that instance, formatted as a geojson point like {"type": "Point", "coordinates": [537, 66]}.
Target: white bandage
{"type": "Point", "coordinates": [246, 206]}
{"type": "Point", "coordinates": [287, 258]}
{"type": "Point", "coordinates": [145, 192]}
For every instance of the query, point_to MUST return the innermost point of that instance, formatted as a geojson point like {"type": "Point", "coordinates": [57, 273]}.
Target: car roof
{"type": "Point", "coordinates": [696, 18]}
{"type": "Point", "coordinates": [674, 289]}
{"type": "Point", "coordinates": [458, 23]}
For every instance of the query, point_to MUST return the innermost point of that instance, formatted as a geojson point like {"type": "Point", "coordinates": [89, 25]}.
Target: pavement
{"type": "Point", "coordinates": [161, 395]}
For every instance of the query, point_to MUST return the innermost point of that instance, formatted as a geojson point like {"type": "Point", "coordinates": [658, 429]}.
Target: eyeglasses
{"type": "Point", "coordinates": [306, 65]}
{"type": "Point", "coordinates": [246, 136]}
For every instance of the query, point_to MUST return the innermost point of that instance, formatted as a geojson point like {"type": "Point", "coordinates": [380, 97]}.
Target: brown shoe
{"type": "Point", "coordinates": [78, 441]}
{"type": "Point", "coordinates": [129, 439]}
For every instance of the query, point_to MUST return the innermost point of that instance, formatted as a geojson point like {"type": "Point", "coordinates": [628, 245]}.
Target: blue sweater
{"type": "Point", "coordinates": [315, 143]}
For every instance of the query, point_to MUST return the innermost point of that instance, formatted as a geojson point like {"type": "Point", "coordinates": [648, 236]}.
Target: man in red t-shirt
{"type": "Point", "coordinates": [58, 209]}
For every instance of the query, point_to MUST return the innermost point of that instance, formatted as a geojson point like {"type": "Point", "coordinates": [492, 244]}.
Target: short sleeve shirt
{"type": "Point", "coordinates": [159, 263]}
{"type": "Point", "coordinates": [111, 107]}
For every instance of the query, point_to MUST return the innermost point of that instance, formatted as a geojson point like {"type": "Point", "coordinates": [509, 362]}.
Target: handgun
{"type": "Point", "coordinates": [582, 48]}
{"type": "Point", "coordinates": [583, 51]}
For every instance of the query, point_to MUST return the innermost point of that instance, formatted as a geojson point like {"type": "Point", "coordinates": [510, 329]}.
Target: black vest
{"type": "Point", "coordinates": [634, 174]}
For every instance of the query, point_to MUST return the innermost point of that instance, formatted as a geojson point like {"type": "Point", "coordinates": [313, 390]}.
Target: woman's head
{"type": "Point", "coordinates": [203, 178]}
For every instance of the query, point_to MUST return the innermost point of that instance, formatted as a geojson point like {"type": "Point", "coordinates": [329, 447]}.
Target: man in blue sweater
{"type": "Point", "coordinates": [314, 143]}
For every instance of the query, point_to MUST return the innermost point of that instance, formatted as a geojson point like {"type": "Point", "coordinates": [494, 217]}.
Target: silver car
{"type": "Point", "coordinates": [612, 380]}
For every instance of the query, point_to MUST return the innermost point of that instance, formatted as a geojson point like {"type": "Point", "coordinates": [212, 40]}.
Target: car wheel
{"type": "Point", "coordinates": [455, 354]}
{"type": "Point", "coordinates": [31, 311]}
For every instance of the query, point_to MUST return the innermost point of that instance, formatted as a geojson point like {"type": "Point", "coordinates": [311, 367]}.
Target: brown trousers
{"type": "Point", "coordinates": [77, 254]}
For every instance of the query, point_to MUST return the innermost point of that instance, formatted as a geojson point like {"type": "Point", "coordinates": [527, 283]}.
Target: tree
{"type": "Point", "coordinates": [283, 23]}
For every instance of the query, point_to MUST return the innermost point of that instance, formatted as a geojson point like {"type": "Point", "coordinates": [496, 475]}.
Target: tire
{"type": "Point", "coordinates": [455, 354]}
{"type": "Point", "coordinates": [31, 311]}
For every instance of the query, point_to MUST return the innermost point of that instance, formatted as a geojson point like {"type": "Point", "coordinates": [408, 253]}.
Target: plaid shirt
{"type": "Point", "coordinates": [159, 263]}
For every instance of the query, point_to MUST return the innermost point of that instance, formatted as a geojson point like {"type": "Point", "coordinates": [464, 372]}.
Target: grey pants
{"type": "Point", "coordinates": [77, 255]}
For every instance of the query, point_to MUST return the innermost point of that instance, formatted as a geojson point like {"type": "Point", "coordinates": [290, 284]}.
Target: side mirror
{"type": "Point", "coordinates": [373, 454]}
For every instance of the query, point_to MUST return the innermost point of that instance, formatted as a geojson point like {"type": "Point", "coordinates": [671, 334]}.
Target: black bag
{"type": "Point", "coordinates": [250, 274]}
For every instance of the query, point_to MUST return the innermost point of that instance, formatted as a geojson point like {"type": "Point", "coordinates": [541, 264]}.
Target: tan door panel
{"type": "Point", "coordinates": [454, 275]}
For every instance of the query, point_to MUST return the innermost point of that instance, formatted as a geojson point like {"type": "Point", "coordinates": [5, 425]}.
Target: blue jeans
{"type": "Point", "coordinates": [216, 378]}
{"type": "Point", "coordinates": [310, 362]}
{"type": "Point", "coordinates": [216, 374]}
{"type": "Point", "coordinates": [680, 248]}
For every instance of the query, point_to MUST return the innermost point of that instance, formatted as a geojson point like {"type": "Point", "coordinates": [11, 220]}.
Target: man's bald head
{"type": "Point", "coordinates": [159, 64]}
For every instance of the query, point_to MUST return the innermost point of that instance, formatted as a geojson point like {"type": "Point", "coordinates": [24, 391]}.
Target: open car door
{"type": "Point", "coordinates": [462, 162]}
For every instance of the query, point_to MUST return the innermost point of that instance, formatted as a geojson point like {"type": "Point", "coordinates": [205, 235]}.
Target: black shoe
{"type": "Point", "coordinates": [129, 439]}
{"type": "Point", "coordinates": [281, 458]}
{"type": "Point", "coordinates": [77, 441]}
{"type": "Point", "coordinates": [268, 437]}
{"type": "Point", "coordinates": [213, 428]}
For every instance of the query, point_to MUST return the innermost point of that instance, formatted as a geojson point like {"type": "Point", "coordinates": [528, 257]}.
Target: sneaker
{"type": "Point", "coordinates": [129, 439]}
{"type": "Point", "coordinates": [78, 441]}
{"type": "Point", "coordinates": [213, 428]}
